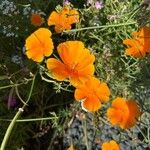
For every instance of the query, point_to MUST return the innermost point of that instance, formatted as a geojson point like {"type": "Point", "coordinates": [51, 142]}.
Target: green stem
{"type": "Point", "coordinates": [11, 125]}
{"type": "Point", "coordinates": [85, 133]}
{"type": "Point", "coordinates": [9, 129]}
{"type": "Point", "coordinates": [30, 120]}
{"type": "Point", "coordinates": [98, 27]}
{"type": "Point", "coordinates": [14, 85]}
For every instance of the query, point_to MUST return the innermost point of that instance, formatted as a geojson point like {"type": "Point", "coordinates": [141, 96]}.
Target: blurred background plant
{"type": "Point", "coordinates": [61, 120]}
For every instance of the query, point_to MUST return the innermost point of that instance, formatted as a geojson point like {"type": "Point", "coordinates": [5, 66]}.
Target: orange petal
{"type": "Point", "coordinates": [135, 52]}
{"type": "Point", "coordinates": [36, 55]}
{"type": "Point", "coordinates": [53, 18]}
{"type": "Point", "coordinates": [57, 68]}
{"type": "Point", "coordinates": [103, 92]}
{"type": "Point", "coordinates": [144, 32]}
{"type": "Point", "coordinates": [87, 71]}
{"type": "Point", "coordinates": [60, 27]}
{"type": "Point", "coordinates": [82, 76]}
{"type": "Point", "coordinates": [111, 145]}
{"type": "Point", "coordinates": [70, 51]}
{"type": "Point", "coordinates": [73, 16]}
{"type": "Point", "coordinates": [85, 59]}
{"type": "Point", "coordinates": [91, 104]}
{"type": "Point", "coordinates": [113, 116]}
{"type": "Point", "coordinates": [118, 102]}
{"type": "Point", "coordinates": [106, 146]}
{"type": "Point", "coordinates": [134, 109]}
{"type": "Point", "coordinates": [128, 42]}
{"type": "Point", "coordinates": [136, 48]}
{"type": "Point", "coordinates": [48, 47]}
{"type": "Point", "coordinates": [80, 94]}
{"type": "Point", "coordinates": [39, 44]}
{"type": "Point", "coordinates": [123, 112]}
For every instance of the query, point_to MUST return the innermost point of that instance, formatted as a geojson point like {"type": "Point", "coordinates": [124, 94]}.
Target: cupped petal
{"type": "Point", "coordinates": [60, 27]}
{"type": "Point", "coordinates": [87, 71]}
{"type": "Point", "coordinates": [82, 76]}
{"type": "Point", "coordinates": [91, 104]}
{"type": "Point", "coordinates": [42, 33]}
{"type": "Point", "coordinates": [85, 59]}
{"type": "Point", "coordinates": [63, 19]}
{"type": "Point", "coordinates": [73, 16]}
{"type": "Point", "coordinates": [57, 68]}
{"type": "Point", "coordinates": [92, 83]}
{"type": "Point", "coordinates": [123, 113]}
{"type": "Point", "coordinates": [113, 116]}
{"type": "Point", "coordinates": [70, 52]}
{"type": "Point", "coordinates": [133, 108]}
{"type": "Point", "coordinates": [103, 92]}
{"type": "Point", "coordinates": [80, 94]}
{"type": "Point", "coordinates": [119, 102]}
{"type": "Point", "coordinates": [53, 18]}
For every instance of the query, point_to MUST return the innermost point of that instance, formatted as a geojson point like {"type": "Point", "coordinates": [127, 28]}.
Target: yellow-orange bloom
{"type": "Point", "coordinates": [139, 45]}
{"type": "Point", "coordinates": [123, 113]}
{"type": "Point", "coordinates": [63, 19]}
{"type": "Point", "coordinates": [76, 63]}
{"type": "Point", "coordinates": [92, 93]}
{"type": "Point", "coordinates": [39, 44]}
{"type": "Point", "coordinates": [111, 145]}
{"type": "Point", "coordinates": [36, 19]}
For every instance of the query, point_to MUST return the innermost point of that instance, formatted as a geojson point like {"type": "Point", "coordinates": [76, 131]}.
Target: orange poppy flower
{"type": "Point", "coordinates": [136, 48]}
{"type": "Point", "coordinates": [111, 145]}
{"type": "Point", "coordinates": [63, 19]}
{"type": "Point", "coordinates": [39, 44]}
{"type": "Point", "coordinates": [143, 35]}
{"type": "Point", "coordinates": [36, 19]}
{"type": "Point", "coordinates": [92, 93]}
{"type": "Point", "coordinates": [140, 44]}
{"type": "Point", "coordinates": [76, 64]}
{"type": "Point", "coordinates": [123, 113]}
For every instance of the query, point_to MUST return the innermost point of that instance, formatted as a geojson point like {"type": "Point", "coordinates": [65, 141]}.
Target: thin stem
{"type": "Point", "coordinates": [11, 125]}
{"type": "Point", "coordinates": [9, 129]}
{"type": "Point", "coordinates": [14, 85]}
{"type": "Point", "coordinates": [145, 138]}
{"type": "Point", "coordinates": [17, 92]}
{"type": "Point", "coordinates": [30, 120]}
{"type": "Point", "coordinates": [98, 27]}
{"type": "Point", "coordinates": [85, 133]}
